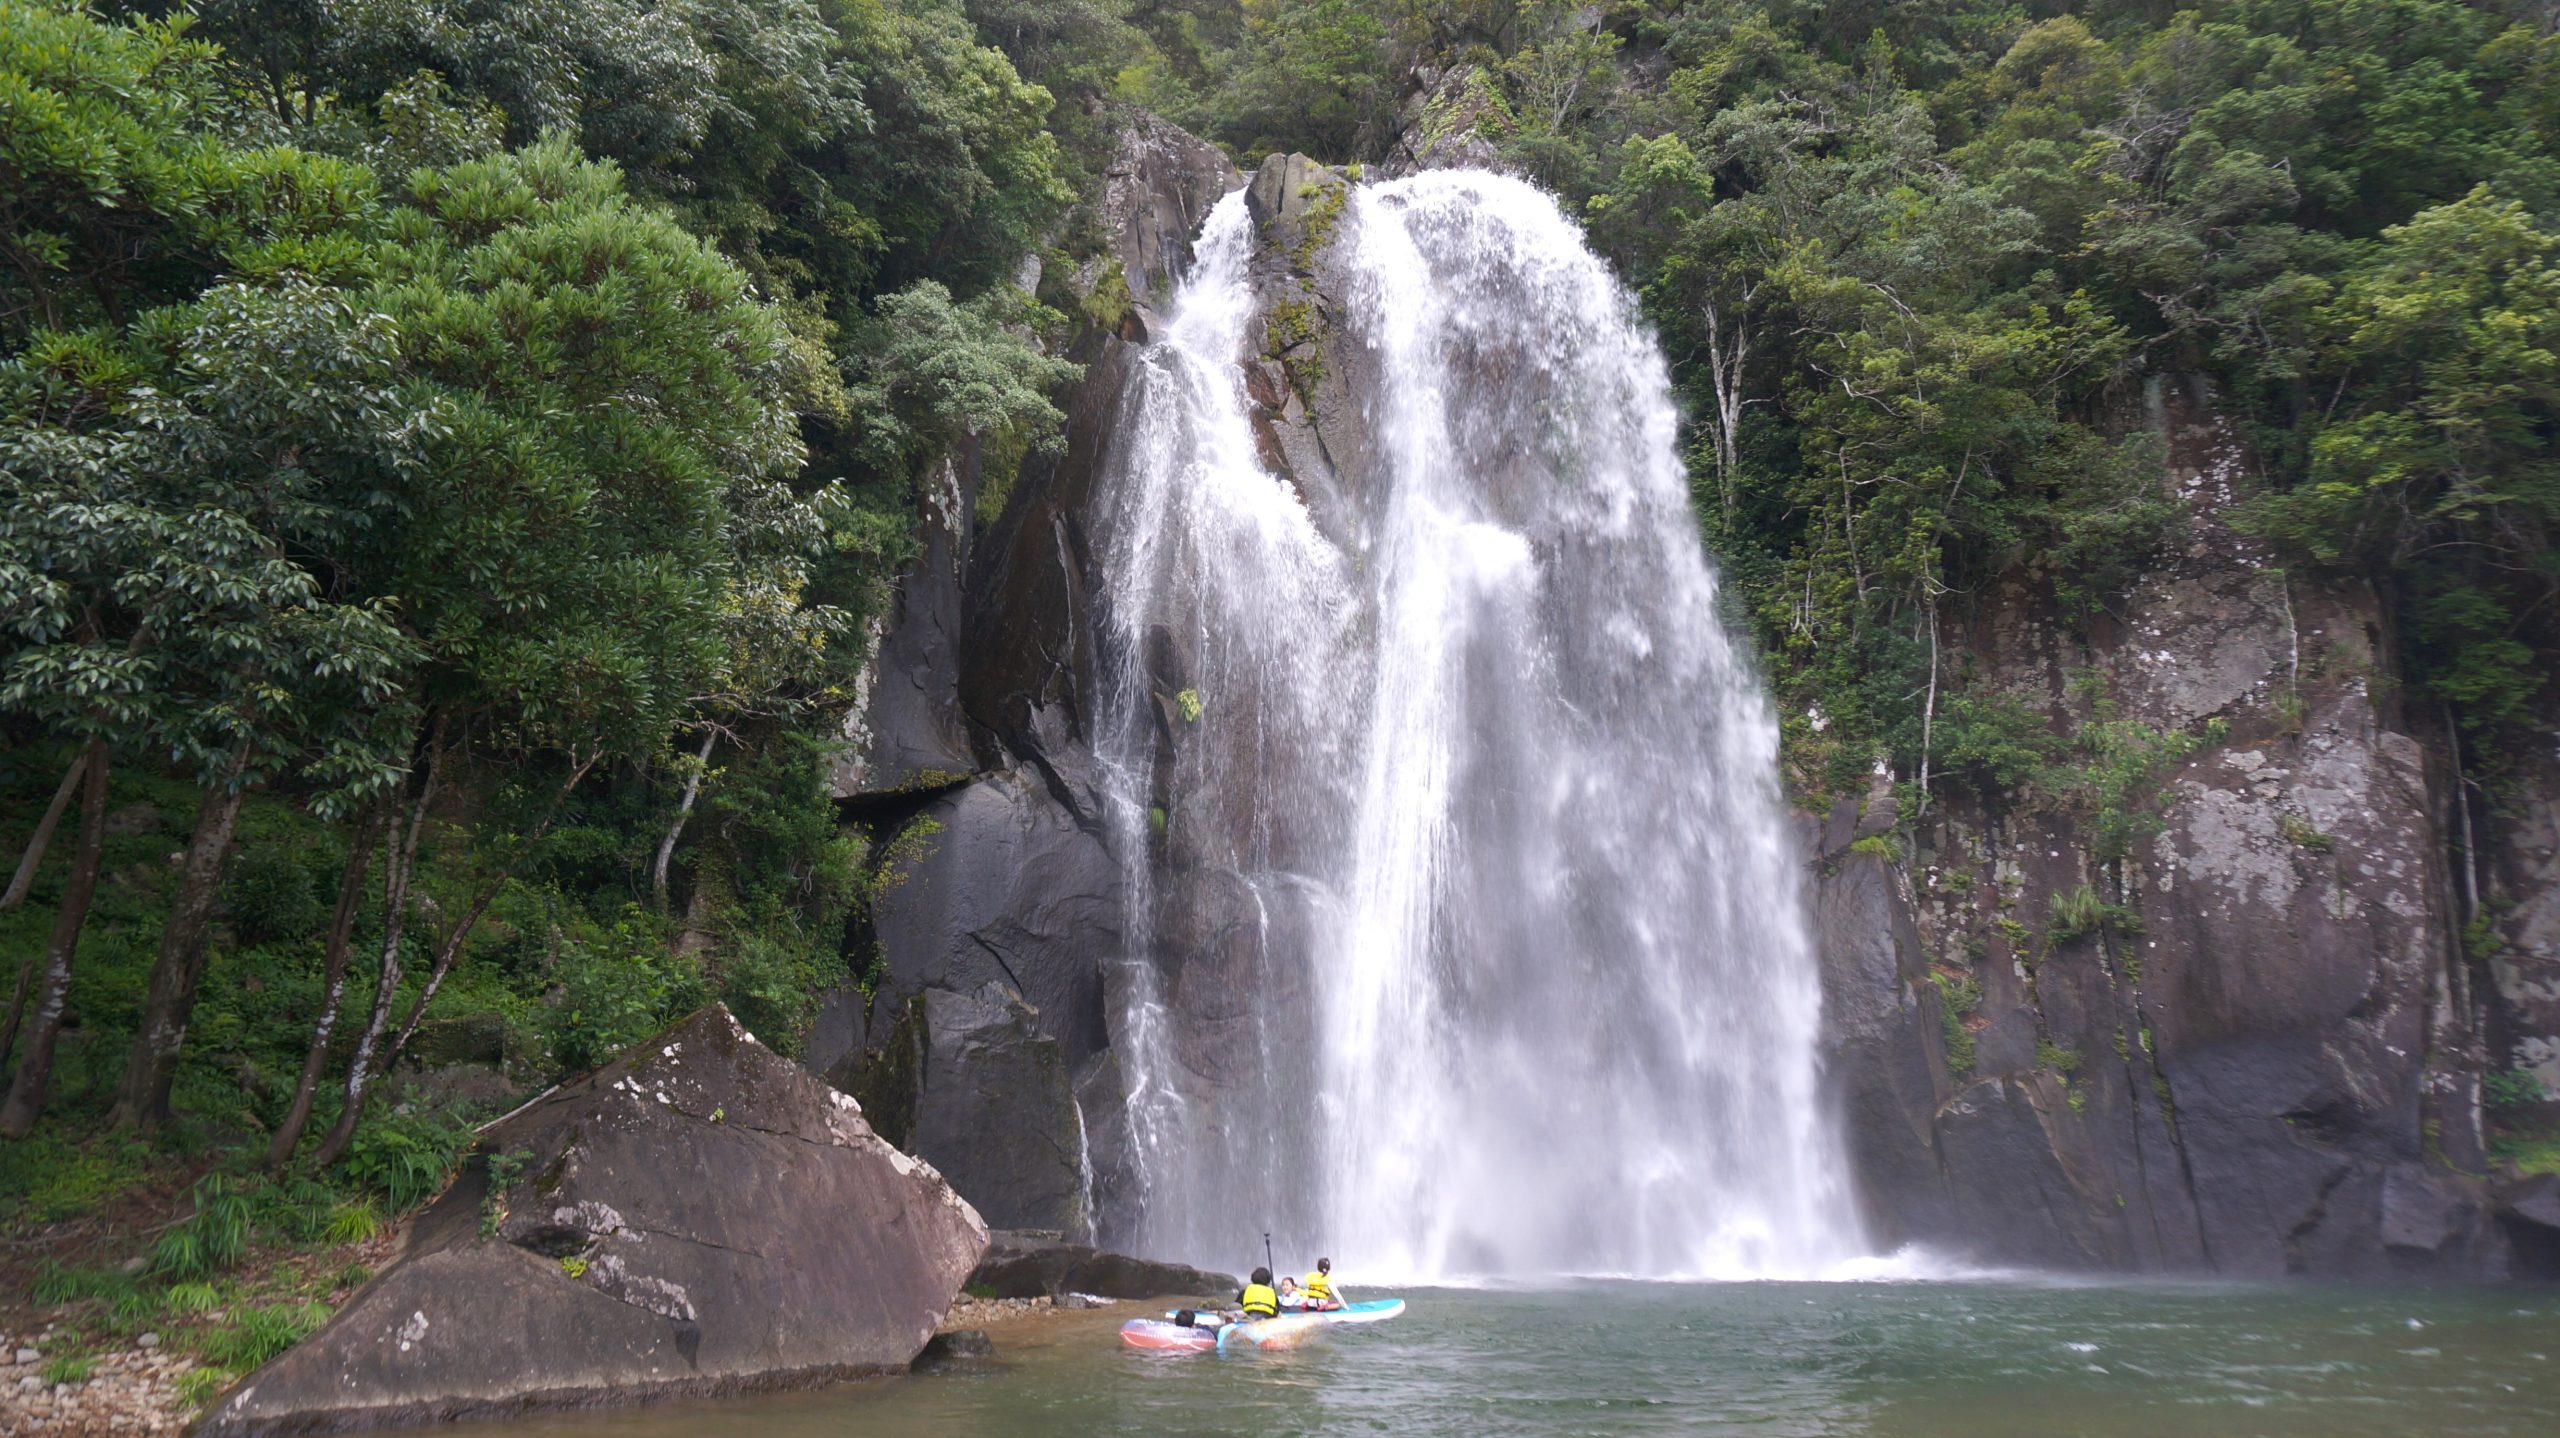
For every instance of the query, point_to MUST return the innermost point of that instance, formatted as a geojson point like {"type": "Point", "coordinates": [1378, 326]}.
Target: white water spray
{"type": "Point", "coordinates": [1468, 938]}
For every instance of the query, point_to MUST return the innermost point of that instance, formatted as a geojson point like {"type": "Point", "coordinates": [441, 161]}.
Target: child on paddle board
{"type": "Point", "coordinates": [1319, 1287]}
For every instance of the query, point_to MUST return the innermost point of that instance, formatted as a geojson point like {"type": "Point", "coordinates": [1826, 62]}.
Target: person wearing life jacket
{"type": "Point", "coordinates": [1259, 1299]}
{"type": "Point", "coordinates": [1319, 1286]}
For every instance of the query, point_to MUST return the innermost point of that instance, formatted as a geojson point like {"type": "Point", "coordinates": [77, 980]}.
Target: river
{"type": "Point", "coordinates": [1895, 1360]}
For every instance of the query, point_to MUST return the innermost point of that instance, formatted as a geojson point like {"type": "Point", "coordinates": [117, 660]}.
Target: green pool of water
{"type": "Point", "coordinates": [1928, 1360]}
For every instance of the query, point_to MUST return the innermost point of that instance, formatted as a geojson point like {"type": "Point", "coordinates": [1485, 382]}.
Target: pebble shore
{"type": "Point", "coordinates": [132, 1390]}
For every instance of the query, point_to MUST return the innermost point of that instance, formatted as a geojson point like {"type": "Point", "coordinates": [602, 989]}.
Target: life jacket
{"type": "Point", "coordinates": [1318, 1288]}
{"type": "Point", "coordinates": [1258, 1301]}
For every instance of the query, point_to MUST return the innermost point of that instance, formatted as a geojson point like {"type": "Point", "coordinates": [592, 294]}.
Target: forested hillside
{"type": "Point", "coordinates": [454, 456]}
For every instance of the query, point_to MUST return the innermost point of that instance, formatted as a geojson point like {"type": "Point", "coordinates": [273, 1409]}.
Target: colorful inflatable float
{"type": "Point", "coordinates": [1204, 1332]}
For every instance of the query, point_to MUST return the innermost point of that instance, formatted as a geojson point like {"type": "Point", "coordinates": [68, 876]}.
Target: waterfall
{"type": "Point", "coordinates": [1467, 933]}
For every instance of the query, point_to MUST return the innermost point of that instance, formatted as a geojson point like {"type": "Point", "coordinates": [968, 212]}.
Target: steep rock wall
{"type": "Point", "coordinates": [2250, 1045]}
{"type": "Point", "coordinates": [997, 899]}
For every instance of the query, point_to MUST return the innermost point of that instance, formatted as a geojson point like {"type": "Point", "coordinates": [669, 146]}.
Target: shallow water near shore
{"type": "Point", "coordinates": [1911, 1360]}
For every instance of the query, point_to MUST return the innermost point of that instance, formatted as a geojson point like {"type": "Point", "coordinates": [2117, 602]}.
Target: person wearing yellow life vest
{"type": "Point", "coordinates": [1319, 1285]}
{"type": "Point", "coordinates": [1258, 1300]}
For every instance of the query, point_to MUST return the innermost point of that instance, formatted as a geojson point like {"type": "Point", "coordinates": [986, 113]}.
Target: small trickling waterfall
{"type": "Point", "coordinates": [1467, 938]}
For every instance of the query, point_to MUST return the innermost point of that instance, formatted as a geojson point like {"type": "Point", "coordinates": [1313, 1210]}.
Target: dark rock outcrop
{"type": "Point", "coordinates": [1033, 1265]}
{"type": "Point", "coordinates": [906, 731]}
{"type": "Point", "coordinates": [969, 1083]}
{"type": "Point", "coordinates": [947, 1350]}
{"type": "Point", "coordinates": [998, 883]}
{"type": "Point", "coordinates": [972, 756]}
{"type": "Point", "coordinates": [700, 1216]}
{"type": "Point", "coordinates": [2240, 1043]}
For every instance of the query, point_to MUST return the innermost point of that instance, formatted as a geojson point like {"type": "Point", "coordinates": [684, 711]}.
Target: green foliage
{"type": "Point", "coordinates": [55, 1284]}
{"type": "Point", "coordinates": [406, 1158]}
{"type": "Point", "coordinates": [1957, 999]}
{"type": "Point", "coordinates": [617, 989]}
{"type": "Point", "coordinates": [273, 896]}
{"type": "Point", "coordinates": [190, 1298]}
{"type": "Point", "coordinates": [2511, 1091]}
{"type": "Point", "coordinates": [928, 371]}
{"type": "Point", "coordinates": [50, 1176]}
{"type": "Point", "coordinates": [199, 1386]}
{"type": "Point", "coordinates": [2526, 1155]}
{"type": "Point", "coordinates": [210, 1240]}
{"type": "Point", "coordinates": [255, 1333]}
{"type": "Point", "coordinates": [2076, 913]}
{"type": "Point", "coordinates": [69, 1369]}
{"type": "Point", "coordinates": [2060, 1060]}
{"type": "Point", "coordinates": [2303, 834]}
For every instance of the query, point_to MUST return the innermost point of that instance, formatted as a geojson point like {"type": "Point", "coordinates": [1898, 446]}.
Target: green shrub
{"type": "Point", "coordinates": [256, 1334]}
{"type": "Point", "coordinates": [184, 1298]}
{"type": "Point", "coordinates": [772, 983]}
{"type": "Point", "coordinates": [56, 1285]}
{"type": "Point", "coordinates": [67, 1369]}
{"type": "Point", "coordinates": [354, 1222]}
{"type": "Point", "coordinates": [56, 1178]}
{"type": "Point", "coordinates": [272, 896]}
{"type": "Point", "coordinates": [210, 1240]}
{"type": "Point", "coordinates": [1957, 999]}
{"type": "Point", "coordinates": [197, 1386]}
{"type": "Point", "coordinates": [2079, 912]}
{"type": "Point", "coordinates": [617, 989]}
{"type": "Point", "coordinates": [406, 1158]}
{"type": "Point", "coordinates": [2510, 1091]}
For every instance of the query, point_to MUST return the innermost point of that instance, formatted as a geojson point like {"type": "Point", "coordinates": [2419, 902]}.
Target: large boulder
{"type": "Point", "coordinates": [1040, 1265]}
{"type": "Point", "coordinates": [700, 1216]}
{"type": "Point", "coordinates": [967, 1082]}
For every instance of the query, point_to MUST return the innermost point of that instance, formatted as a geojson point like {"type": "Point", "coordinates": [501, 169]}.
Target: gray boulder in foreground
{"type": "Point", "coordinates": [700, 1216]}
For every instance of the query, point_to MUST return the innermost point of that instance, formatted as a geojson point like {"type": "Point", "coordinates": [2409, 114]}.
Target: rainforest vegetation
{"type": "Point", "coordinates": [450, 451]}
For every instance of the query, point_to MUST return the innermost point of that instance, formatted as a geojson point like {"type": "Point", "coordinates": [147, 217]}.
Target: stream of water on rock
{"type": "Point", "coordinates": [1468, 934]}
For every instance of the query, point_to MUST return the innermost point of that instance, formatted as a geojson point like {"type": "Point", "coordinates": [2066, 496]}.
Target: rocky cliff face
{"type": "Point", "coordinates": [986, 1047]}
{"type": "Point", "coordinates": [2223, 1022]}
{"type": "Point", "coordinates": [2224, 1018]}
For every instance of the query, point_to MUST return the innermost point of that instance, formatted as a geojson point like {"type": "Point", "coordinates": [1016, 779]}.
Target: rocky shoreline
{"type": "Point", "coordinates": [140, 1389]}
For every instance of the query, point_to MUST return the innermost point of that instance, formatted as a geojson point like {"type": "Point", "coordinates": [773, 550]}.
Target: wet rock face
{"type": "Point", "coordinates": [2246, 1045]}
{"type": "Point", "coordinates": [1156, 192]}
{"type": "Point", "coordinates": [998, 883]}
{"type": "Point", "coordinates": [968, 1083]}
{"type": "Point", "coordinates": [971, 755]}
{"type": "Point", "coordinates": [1039, 1265]}
{"type": "Point", "coordinates": [700, 1216]}
{"type": "Point", "coordinates": [2518, 869]}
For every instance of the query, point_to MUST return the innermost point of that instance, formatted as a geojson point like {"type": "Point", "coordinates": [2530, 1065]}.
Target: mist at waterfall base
{"type": "Point", "coordinates": [1467, 930]}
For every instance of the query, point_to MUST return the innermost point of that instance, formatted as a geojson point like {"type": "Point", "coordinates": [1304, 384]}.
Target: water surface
{"type": "Point", "coordinates": [1909, 1360]}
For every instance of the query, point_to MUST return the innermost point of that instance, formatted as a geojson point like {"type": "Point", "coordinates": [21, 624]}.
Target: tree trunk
{"type": "Point", "coordinates": [33, 858]}
{"type": "Point", "coordinates": [364, 1070]}
{"type": "Point", "coordinates": [684, 811]}
{"type": "Point", "coordinates": [400, 859]}
{"type": "Point", "coordinates": [142, 1097]}
{"type": "Point", "coordinates": [35, 1066]}
{"type": "Point", "coordinates": [333, 990]}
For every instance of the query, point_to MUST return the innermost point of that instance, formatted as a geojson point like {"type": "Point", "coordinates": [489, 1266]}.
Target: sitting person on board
{"type": "Point", "coordinates": [1291, 1300]}
{"type": "Point", "coordinates": [1319, 1287]}
{"type": "Point", "coordinates": [1258, 1299]}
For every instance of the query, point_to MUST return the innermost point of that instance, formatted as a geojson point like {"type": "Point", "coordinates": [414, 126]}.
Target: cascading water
{"type": "Point", "coordinates": [1467, 935]}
